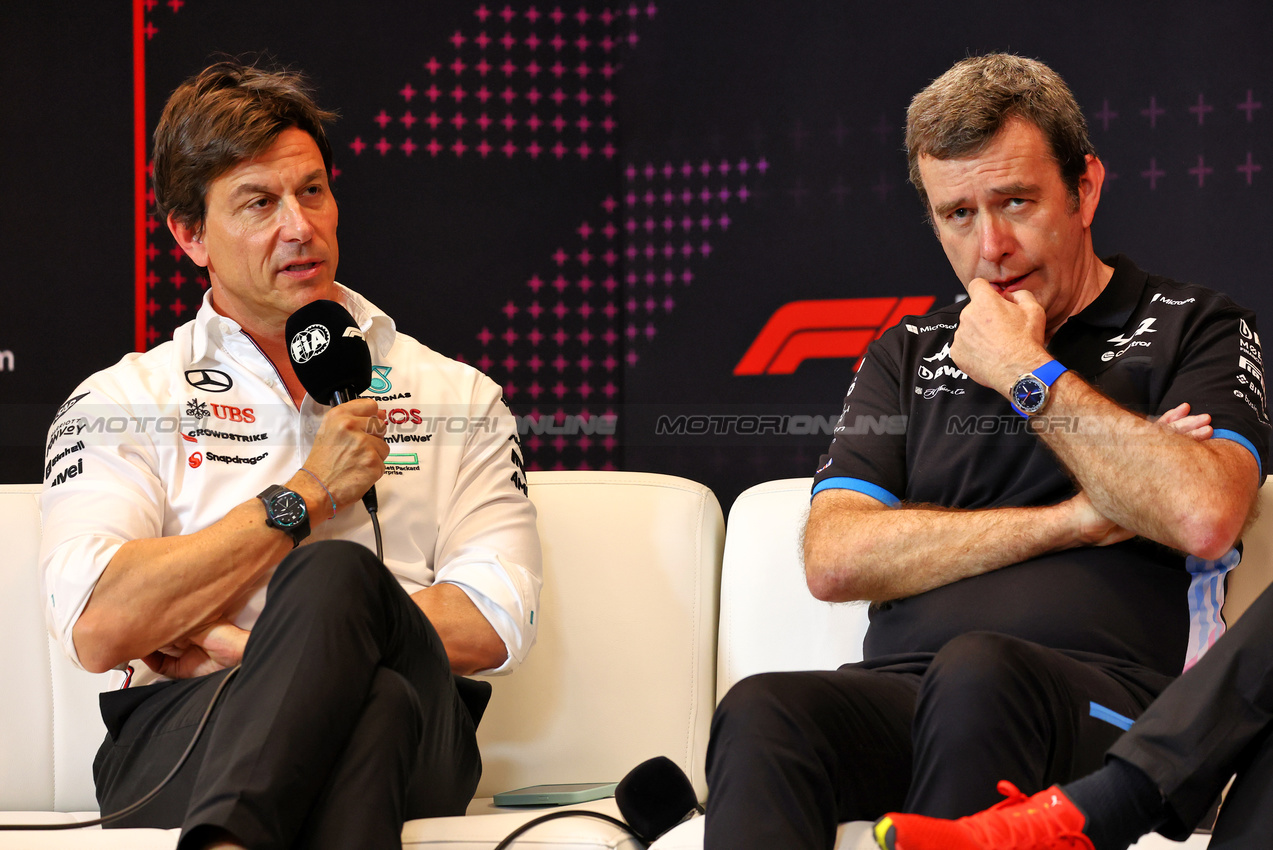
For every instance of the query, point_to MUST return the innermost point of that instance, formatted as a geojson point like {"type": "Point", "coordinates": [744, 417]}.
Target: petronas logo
{"type": "Point", "coordinates": [380, 380]}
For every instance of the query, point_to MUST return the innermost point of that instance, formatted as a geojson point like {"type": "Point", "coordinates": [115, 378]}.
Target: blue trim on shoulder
{"type": "Point", "coordinates": [1110, 716]}
{"type": "Point", "coordinates": [875, 491]}
{"type": "Point", "coordinates": [1225, 434]}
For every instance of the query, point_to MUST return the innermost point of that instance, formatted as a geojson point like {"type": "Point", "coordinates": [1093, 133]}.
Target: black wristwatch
{"type": "Point", "coordinates": [285, 510]}
{"type": "Point", "coordinates": [1030, 393]}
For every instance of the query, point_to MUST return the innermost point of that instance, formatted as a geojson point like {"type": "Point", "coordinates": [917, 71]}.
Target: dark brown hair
{"type": "Point", "coordinates": [226, 114]}
{"type": "Point", "coordinates": [958, 114]}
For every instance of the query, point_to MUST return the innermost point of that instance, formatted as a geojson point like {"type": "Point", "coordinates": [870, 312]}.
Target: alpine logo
{"type": "Point", "coordinates": [1146, 327]}
{"type": "Point", "coordinates": [808, 330]}
{"type": "Point", "coordinates": [1127, 343]}
{"type": "Point", "coordinates": [939, 356]}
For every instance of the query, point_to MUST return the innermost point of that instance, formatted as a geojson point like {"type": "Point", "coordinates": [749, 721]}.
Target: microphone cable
{"type": "Point", "coordinates": [375, 526]}
{"type": "Point", "coordinates": [128, 810]}
{"type": "Point", "coordinates": [508, 839]}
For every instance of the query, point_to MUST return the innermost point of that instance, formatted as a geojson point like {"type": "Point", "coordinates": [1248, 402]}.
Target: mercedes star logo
{"type": "Point", "coordinates": [209, 380]}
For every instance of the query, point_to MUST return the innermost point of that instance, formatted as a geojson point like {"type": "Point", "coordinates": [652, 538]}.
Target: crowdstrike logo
{"type": "Point", "coordinates": [808, 330]}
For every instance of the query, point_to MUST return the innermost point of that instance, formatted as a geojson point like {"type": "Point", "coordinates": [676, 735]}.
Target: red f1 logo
{"type": "Point", "coordinates": [805, 330]}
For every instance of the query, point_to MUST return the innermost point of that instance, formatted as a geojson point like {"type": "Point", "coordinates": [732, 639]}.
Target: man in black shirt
{"type": "Point", "coordinates": [1072, 429]}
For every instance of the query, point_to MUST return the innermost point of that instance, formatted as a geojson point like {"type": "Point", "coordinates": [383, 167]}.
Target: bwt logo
{"type": "Point", "coordinates": [808, 330]}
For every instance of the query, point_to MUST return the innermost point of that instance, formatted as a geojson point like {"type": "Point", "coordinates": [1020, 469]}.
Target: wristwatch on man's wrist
{"type": "Point", "coordinates": [1030, 393]}
{"type": "Point", "coordinates": [285, 510]}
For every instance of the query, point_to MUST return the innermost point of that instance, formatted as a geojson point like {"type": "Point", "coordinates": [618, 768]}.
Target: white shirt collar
{"type": "Point", "coordinates": [211, 329]}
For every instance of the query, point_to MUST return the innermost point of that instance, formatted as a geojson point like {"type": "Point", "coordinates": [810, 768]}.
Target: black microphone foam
{"type": "Point", "coordinates": [655, 796]}
{"type": "Point", "coordinates": [328, 352]}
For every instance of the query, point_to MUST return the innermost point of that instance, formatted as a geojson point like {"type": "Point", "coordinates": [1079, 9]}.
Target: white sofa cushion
{"type": "Point", "coordinates": [624, 668]}
{"type": "Point", "coordinates": [768, 619]}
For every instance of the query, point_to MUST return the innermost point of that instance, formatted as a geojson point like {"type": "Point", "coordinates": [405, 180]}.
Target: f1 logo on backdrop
{"type": "Point", "coordinates": [808, 330]}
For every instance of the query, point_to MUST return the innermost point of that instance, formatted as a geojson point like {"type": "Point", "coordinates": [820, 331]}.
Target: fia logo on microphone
{"type": "Point", "coordinates": [309, 343]}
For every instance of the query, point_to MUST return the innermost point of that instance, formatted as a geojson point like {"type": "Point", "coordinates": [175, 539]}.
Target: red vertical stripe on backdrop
{"type": "Point", "coordinates": [139, 175]}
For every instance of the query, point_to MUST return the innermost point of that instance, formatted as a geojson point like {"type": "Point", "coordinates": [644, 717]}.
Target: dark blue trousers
{"type": "Point", "coordinates": [793, 754]}
{"type": "Point", "coordinates": [1213, 722]}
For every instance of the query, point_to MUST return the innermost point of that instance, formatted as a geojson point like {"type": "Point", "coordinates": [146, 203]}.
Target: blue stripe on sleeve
{"type": "Point", "coordinates": [1110, 716]}
{"type": "Point", "coordinates": [858, 485]}
{"type": "Point", "coordinates": [1224, 434]}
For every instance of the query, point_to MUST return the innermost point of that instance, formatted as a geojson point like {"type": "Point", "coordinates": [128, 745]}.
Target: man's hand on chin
{"type": "Point", "coordinates": [208, 650]}
{"type": "Point", "coordinates": [1000, 336]}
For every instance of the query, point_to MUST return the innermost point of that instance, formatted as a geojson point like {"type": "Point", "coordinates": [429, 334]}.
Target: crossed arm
{"type": "Point", "coordinates": [168, 600]}
{"type": "Point", "coordinates": [856, 548]}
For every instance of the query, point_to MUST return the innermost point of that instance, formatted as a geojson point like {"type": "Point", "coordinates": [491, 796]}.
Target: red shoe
{"type": "Point", "coordinates": [1046, 821]}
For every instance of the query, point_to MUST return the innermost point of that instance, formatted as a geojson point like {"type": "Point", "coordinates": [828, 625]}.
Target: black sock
{"type": "Point", "coordinates": [1121, 804]}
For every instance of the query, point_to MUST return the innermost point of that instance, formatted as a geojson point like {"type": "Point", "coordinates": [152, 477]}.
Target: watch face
{"type": "Point", "coordinates": [287, 509]}
{"type": "Point", "coordinates": [1028, 394]}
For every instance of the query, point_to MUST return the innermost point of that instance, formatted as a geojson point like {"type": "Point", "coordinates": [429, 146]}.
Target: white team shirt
{"type": "Point", "coordinates": [167, 442]}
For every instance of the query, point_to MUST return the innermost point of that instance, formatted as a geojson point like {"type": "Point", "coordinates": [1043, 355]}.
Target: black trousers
{"type": "Point", "coordinates": [792, 755]}
{"type": "Point", "coordinates": [1214, 721]}
{"type": "Point", "coordinates": [343, 721]}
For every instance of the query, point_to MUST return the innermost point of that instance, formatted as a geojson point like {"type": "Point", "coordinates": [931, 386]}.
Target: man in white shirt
{"type": "Point", "coordinates": [179, 483]}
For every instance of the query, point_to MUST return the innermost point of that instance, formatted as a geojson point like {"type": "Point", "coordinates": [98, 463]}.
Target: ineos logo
{"type": "Point", "coordinates": [308, 343]}
{"type": "Point", "coordinates": [209, 380]}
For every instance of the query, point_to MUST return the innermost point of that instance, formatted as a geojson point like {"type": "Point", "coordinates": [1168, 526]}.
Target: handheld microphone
{"type": "Point", "coordinates": [655, 796]}
{"type": "Point", "coordinates": [331, 358]}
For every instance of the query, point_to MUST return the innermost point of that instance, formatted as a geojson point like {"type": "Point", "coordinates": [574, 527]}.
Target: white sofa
{"type": "Point", "coordinates": [623, 669]}
{"type": "Point", "coordinates": [769, 621]}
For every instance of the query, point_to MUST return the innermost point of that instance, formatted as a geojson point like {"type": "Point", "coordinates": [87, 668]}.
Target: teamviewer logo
{"type": "Point", "coordinates": [805, 330]}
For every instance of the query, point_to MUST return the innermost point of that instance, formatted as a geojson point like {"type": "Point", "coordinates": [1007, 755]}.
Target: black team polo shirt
{"type": "Point", "coordinates": [916, 429]}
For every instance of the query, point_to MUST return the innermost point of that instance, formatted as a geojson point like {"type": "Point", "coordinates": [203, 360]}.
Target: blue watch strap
{"type": "Point", "coordinates": [1049, 372]}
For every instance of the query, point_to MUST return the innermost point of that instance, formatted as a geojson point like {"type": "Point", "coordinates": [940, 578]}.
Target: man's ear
{"type": "Point", "coordinates": [190, 240]}
{"type": "Point", "coordinates": [1089, 189]}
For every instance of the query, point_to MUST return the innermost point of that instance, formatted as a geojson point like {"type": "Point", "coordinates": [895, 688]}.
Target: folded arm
{"type": "Point", "coordinates": [169, 592]}
{"type": "Point", "coordinates": [1190, 494]}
